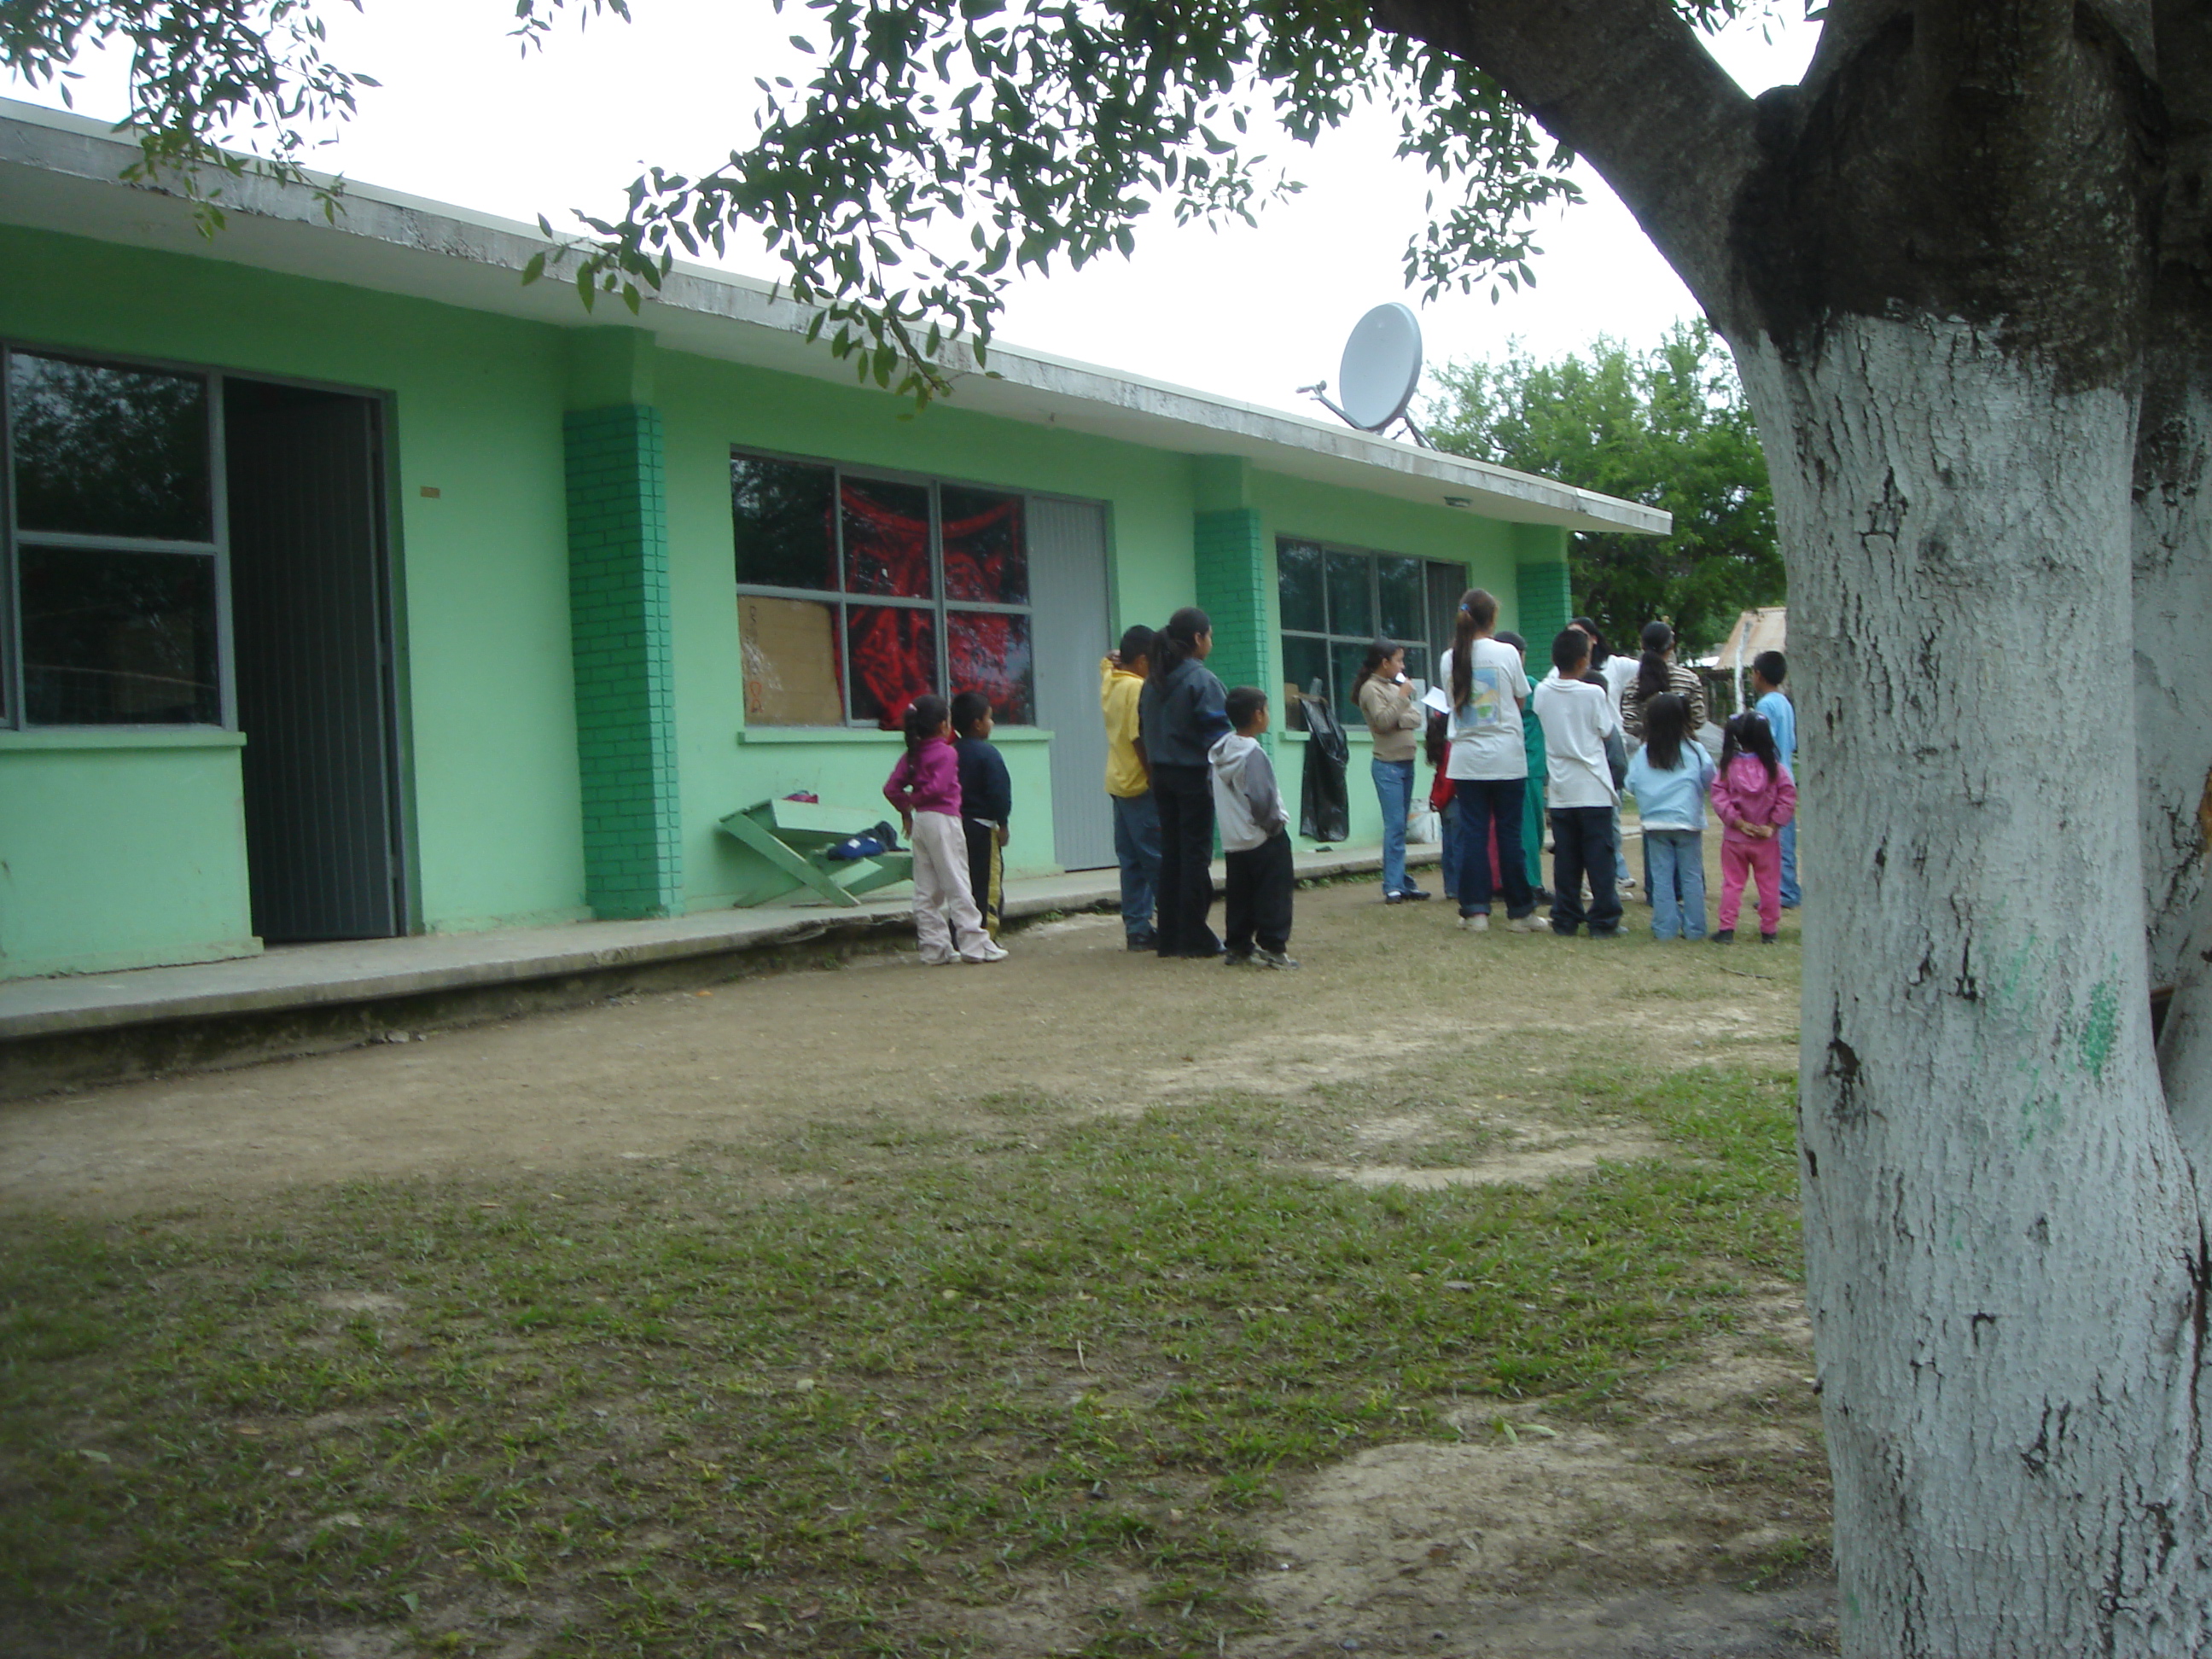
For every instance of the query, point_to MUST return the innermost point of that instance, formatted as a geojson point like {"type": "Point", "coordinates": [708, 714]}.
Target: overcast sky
{"type": "Point", "coordinates": [1255, 313]}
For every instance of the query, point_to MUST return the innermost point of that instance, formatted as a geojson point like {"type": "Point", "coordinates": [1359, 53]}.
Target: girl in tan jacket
{"type": "Point", "coordinates": [1385, 696]}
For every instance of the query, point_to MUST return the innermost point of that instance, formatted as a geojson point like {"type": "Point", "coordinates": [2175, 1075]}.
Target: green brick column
{"type": "Point", "coordinates": [618, 609]}
{"type": "Point", "coordinates": [1232, 591]}
{"type": "Point", "coordinates": [1544, 603]}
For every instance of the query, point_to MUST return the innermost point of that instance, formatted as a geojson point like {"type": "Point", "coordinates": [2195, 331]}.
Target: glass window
{"type": "Point", "coordinates": [989, 651]}
{"type": "Point", "coordinates": [887, 539]}
{"type": "Point", "coordinates": [786, 538]}
{"type": "Point", "coordinates": [1297, 575]}
{"type": "Point", "coordinates": [107, 451]}
{"type": "Point", "coordinates": [986, 555]}
{"type": "Point", "coordinates": [894, 654]}
{"type": "Point", "coordinates": [115, 638]}
{"type": "Point", "coordinates": [1336, 603]}
{"type": "Point", "coordinates": [925, 586]}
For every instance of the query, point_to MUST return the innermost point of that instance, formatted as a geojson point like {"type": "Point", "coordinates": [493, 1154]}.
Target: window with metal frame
{"type": "Point", "coordinates": [113, 554]}
{"type": "Point", "coordinates": [1336, 603]}
{"type": "Point", "coordinates": [859, 592]}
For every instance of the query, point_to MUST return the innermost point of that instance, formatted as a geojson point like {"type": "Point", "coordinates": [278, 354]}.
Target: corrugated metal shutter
{"type": "Point", "coordinates": [1067, 584]}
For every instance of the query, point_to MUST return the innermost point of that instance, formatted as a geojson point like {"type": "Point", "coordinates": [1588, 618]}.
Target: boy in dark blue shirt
{"type": "Point", "coordinates": [986, 798]}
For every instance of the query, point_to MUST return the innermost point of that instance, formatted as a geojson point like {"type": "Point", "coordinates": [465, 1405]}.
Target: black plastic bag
{"type": "Point", "coordinates": [1324, 808]}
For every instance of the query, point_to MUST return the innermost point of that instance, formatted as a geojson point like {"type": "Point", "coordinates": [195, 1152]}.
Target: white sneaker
{"type": "Point", "coordinates": [1531, 923]}
{"type": "Point", "coordinates": [1477, 923]}
{"type": "Point", "coordinates": [991, 952]}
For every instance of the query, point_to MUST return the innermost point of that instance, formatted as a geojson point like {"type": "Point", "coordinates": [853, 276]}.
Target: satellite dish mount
{"type": "Point", "coordinates": [1380, 373]}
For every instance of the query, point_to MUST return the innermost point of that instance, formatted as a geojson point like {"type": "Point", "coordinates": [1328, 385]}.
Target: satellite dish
{"type": "Point", "coordinates": [1380, 373]}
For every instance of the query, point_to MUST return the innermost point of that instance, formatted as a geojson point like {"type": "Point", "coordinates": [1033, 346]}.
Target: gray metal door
{"type": "Point", "coordinates": [1067, 584]}
{"type": "Point", "coordinates": [311, 627]}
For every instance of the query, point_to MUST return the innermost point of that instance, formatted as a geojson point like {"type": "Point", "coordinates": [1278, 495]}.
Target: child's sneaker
{"type": "Point", "coordinates": [1477, 923]}
{"type": "Point", "coordinates": [1531, 923]}
{"type": "Point", "coordinates": [1770, 939]}
{"type": "Point", "coordinates": [990, 952]}
{"type": "Point", "coordinates": [1725, 936]}
{"type": "Point", "coordinates": [1236, 958]}
{"type": "Point", "coordinates": [1272, 959]}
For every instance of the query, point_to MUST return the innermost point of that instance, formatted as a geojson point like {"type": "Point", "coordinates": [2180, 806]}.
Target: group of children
{"type": "Point", "coordinates": [1751, 791]}
{"type": "Point", "coordinates": [954, 797]}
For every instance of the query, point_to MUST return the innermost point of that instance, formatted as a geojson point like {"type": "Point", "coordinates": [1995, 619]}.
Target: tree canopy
{"type": "Point", "coordinates": [1668, 426]}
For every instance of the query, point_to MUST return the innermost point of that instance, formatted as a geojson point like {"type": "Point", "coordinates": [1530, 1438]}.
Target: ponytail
{"type": "Point", "coordinates": [925, 717]}
{"type": "Point", "coordinates": [1651, 677]}
{"type": "Point", "coordinates": [1176, 642]}
{"type": "Point", "coordinates": [1748, 733]}
{"type": "Point", "coordinates": [1478, 614]}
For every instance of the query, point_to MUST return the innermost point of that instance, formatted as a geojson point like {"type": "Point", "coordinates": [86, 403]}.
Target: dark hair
{"type": "Point", "coordinates": [1666, 726]}
{"type": "Point", "coordinates": [1243, 703]}
{"type": "Point", "coordinates": [1136, 642]}
{"type": "Point", "coordinates": [1598, 652]}
{"type": "Point", "coordinates": [1651, 671]}
{"type": "Point", "coordinates": [1436, 740]}
{"type": "Point", "coordinates": [1507, 637]}
{"type": "Point", "coordinates": [1379, 651]}
{"type": "Point", "coordinates": [1771, 666]}
{"type": "Point", "coordinates": [923, 716]}
{"type": "Point", "coordinates": [1570, 648]}
{"type": "Point", "coordinates": [968, 707]}
{"type": "Point", "coordinates": [1175, 642]}
{"type": "Point", "coordinates": [1478, 611]}
{"type": "Point", "coordinates": [1748, 733]}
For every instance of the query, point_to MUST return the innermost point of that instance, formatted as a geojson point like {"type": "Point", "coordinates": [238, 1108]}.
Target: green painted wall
{"type": "Point", "coordinates": [121, 857]}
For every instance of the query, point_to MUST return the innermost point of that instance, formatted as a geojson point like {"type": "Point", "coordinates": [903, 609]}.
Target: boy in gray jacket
{"type": "Point", "coordinates": [1254, 833]}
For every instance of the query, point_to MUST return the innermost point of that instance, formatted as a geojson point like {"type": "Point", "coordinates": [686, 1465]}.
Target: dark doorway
{"type": "Point", "coordinates": [1446, 583]}
{"type": "Point", "coordinates": [312, 633]}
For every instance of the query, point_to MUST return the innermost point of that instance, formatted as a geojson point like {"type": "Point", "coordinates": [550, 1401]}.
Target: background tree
{"type": "Point", "coordinates": [1668, 426]}
{"type": "Point", "coordinates": [1963, 269]}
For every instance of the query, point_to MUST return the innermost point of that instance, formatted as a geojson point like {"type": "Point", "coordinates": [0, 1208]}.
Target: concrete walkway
{"type": "Point", "coordinates": [54, 1032]}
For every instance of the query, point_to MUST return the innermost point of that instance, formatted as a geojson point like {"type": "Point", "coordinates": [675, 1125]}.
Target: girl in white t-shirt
{"type": "Point", "coordinates": [1488, 763]}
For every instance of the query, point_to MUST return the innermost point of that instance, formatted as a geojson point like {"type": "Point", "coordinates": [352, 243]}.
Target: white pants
{"type": "Point", "coordinates": [940, 891]}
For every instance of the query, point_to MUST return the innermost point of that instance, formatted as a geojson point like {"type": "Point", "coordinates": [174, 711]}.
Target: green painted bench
{"type": "Point", "coordinates": [793, 836]}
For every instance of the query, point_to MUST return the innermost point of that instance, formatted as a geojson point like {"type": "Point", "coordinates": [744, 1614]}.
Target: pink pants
{"type": "Point", "coordinates": [1740, 857]}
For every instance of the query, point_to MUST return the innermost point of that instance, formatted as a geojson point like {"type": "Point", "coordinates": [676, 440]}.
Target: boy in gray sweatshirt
{"type": "Point", "coordinates": [1254, 834]}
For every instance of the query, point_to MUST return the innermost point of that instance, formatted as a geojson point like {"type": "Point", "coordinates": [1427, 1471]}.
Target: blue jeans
{"type": "Point", "coordinates": [1393, 787]}
{"type": "Point", "coordinates": [1481, 801]}
{"type": "Point", "coordinates": [1790, 896]}
{"type": "Point", "coordinates": [1677, 856]}
{"type": "Point", "coordinates": [1136, 846]}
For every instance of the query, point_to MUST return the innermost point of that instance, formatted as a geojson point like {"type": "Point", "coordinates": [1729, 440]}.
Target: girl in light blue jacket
{"type": "Point", "coordinates": [1669, 778]}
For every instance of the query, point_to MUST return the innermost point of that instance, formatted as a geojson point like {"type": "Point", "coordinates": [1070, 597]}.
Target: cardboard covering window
{"type": "Point", "coordinates": [791, 662]}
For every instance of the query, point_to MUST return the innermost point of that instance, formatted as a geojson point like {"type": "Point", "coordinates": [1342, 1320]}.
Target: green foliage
{"type": "Point", "coordinates": [1668, 427]}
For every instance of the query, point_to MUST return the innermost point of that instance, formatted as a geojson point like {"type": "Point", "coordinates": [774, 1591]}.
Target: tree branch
{"type": "Point", "coordinates": [1629, 85]}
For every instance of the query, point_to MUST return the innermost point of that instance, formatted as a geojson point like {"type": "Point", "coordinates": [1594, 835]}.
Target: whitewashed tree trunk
{"type": "Point", "coordinates": [2005, 1261]}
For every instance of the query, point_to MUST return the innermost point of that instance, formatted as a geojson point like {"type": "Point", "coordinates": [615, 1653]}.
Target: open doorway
{"type": "Point", "coordinates": [311, 646]}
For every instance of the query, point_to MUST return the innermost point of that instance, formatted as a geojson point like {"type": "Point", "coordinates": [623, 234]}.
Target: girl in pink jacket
{"type": "Point", "coordinates": [1754, 796]}
{"type": "Point", "coordinates": [925, 787]}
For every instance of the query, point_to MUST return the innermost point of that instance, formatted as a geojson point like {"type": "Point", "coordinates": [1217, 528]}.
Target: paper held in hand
{"type": "Point", "coordinates": [1437, 700]}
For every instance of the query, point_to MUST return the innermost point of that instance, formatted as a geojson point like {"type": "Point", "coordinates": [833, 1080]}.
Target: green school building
{"type": "Point", "coordinates": [350, 588]}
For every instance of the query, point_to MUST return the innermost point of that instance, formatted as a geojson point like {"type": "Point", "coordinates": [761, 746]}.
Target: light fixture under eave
{"type": "Point", "coordinates": [1459, 501]}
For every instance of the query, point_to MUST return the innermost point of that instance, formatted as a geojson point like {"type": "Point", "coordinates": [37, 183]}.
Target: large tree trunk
{"type": "Point", "coordinates": [2005, 1262]}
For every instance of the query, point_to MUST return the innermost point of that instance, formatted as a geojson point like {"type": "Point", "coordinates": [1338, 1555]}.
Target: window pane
{"type": "Point", "coordinates": [986, 557]}
{"type": "Point", "coordinates": [1350, 610]}
{"type": "Point", "coordinates": [1346, 659]}
{"type": "Point", "coordinates": [1305, 669]}
{"type": "Point", "coordinates": [112, 638]}
{"type": "Point", "coordinates": [1399, 582]}
{"type": "Point", "coordinates": [1298, 580]}
{"type": "Point", "coordinates": [893, 651]}
{"type": "Point", "coordinates": [109, 451]}
{"type": "Point", "coordinates": [790, 648]}
{"type": "Point", "coordinates": [1417, 663]}
{"type": "Point", "coordinates": [785, 538]}
{"type": "Point", "coordinates": [989, 652]}
{"type": "Point", "coordinates": [887, 539]}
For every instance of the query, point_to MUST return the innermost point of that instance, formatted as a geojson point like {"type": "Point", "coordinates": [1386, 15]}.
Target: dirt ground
{"type": "Point", "coordinates": [1525, 1540]}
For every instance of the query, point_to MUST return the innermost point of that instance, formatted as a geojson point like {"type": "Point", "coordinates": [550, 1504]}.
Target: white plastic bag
{"type": "Point", "coordinates": [1424, 828]}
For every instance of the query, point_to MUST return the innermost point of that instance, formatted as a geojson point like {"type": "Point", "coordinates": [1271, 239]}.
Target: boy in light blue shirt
{"type": "Point", "coordinates": [1669, 777]}
{"type": "Point", "coordinates": [1769, 669]}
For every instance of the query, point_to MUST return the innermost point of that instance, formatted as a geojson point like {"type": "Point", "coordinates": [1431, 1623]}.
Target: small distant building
{"type": "Point", "coordinates": [1766, 628]}
{"type": "Point", "coordinates": [348, 588]}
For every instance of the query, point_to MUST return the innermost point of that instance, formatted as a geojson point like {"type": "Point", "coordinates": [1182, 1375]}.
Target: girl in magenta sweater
{"type": "Point", "coordinates": [925, 787]}
{"type": "Point", "coordinates": [1754, 796]}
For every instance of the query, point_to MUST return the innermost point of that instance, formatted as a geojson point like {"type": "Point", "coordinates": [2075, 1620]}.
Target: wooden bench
{"type": "Point", "coordinates": [794, 837]}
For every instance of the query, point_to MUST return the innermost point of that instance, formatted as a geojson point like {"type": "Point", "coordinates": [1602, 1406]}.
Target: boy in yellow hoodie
{"type": "Point", "coordinates": [1129, 783]}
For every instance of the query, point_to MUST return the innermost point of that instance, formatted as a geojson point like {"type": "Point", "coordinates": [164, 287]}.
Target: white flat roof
{"type": "Point", "coordinates": [60, 172]}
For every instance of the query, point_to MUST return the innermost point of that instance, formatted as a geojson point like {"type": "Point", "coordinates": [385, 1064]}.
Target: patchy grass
{"type": "Point", "coordinates": [845, 1393]}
